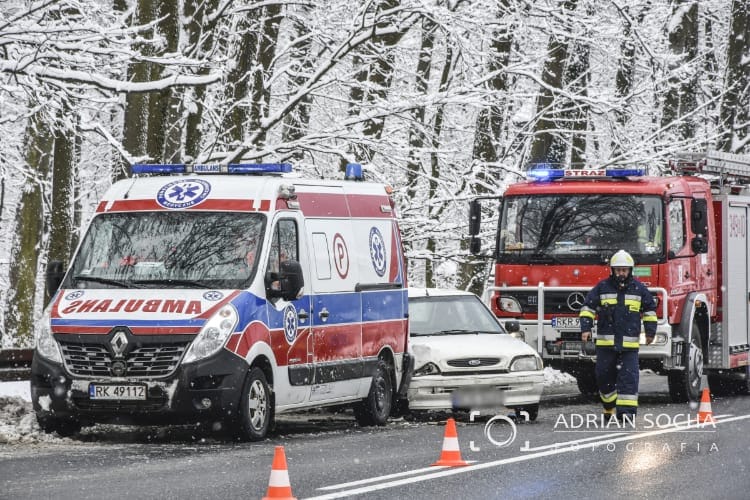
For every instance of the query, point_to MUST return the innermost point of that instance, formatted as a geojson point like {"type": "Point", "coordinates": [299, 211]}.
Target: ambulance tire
{"type": "Point", "coordinates": [63, 427]}
{"type": "Point", "coordinates": [376, 407]}
{"type": "Point", "coordinates": [256, 407]}
{"type": "Point", "coordinates": [685, 385]}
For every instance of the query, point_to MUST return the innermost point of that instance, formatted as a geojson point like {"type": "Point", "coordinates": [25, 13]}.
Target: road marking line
{"type": "Point", "coordinates": [520, 458]}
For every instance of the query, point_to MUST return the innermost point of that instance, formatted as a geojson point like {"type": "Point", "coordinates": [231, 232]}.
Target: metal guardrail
{"type": "Point", "coordinates": [15, 364]}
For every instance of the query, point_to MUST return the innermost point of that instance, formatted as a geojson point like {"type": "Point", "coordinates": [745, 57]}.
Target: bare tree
{"type": "Point", "coordinates": [735, 108]}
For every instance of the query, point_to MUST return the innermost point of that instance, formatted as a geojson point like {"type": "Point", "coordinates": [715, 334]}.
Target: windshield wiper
{"type": "Point", "coordinates": [455, 331]}
{"type": "Point", "coordinates": [170, 281]}
{"type": "Point", "coordinates": [105, 281]}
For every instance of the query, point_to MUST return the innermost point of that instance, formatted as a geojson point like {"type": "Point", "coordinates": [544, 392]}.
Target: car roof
{"type": "Point", "coordinates": [437, 292]}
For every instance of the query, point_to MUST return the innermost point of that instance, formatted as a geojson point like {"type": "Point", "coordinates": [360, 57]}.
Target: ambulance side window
{"type": "Point", "coordinates": [676, 214]}
{"type": "Point", "coordinates": [284, 244]}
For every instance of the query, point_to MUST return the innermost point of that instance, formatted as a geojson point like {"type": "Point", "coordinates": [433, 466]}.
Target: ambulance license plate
{"type": "Point", "coordinates": [566, 322]}
{"type": "Point", "coordinates": [108, 391]}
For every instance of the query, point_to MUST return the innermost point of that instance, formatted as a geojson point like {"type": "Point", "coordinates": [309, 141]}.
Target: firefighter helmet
{"type": "Point", "coordinates": [621, 259]}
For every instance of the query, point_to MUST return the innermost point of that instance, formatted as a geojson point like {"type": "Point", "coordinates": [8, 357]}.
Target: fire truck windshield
{"type": "Point", "coordinates": [168, 249]}
{"type": "Point", "coordinates": [580, 228]}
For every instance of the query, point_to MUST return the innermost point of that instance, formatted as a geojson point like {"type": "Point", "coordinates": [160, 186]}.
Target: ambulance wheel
{"type": "Point", "coordinates": [685, 385]}
{"type": "Point", "coordinates": [256, 410]}
{"type": "Point", "coordinates": [62, 426]}
{"type": "Point", "coordinates": [376, 407]}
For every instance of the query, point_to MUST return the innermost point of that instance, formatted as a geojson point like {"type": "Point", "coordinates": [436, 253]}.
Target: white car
{"type": "Point", "coordinates": [464, 358]}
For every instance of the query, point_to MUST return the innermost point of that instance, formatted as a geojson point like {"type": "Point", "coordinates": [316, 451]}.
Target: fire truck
{"type": "Point", "coordinates": [687, 230]}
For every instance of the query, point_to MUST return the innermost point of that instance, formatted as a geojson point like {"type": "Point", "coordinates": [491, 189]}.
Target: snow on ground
{"type": "Point", "coordinates": [18, 422]}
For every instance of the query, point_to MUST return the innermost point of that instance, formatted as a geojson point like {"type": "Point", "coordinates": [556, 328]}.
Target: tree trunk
{"type": "Point", "coordinates": [25, 249]}
{"type": "Point", "coordinates": [545, 148]}
{"type": "Point", "coordinates": [735, 107]}
{"type": "Point", "coordinates": [681, 99]}
{"type": "Point", "coordinates": [297, 121]}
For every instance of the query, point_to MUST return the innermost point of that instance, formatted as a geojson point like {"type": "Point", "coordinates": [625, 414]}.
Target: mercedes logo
{"type": "Point", "coordinates": [576, 301]}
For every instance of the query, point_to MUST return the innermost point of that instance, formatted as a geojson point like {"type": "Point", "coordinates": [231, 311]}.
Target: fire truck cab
{"type": "Point", "coordinates": [687, 232]}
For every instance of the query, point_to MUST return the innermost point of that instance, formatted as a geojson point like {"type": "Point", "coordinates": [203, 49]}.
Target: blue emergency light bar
{"type": "Point", "coordinates": [232, 168]}
{"type": "Point", "coordinates": [551, 174]}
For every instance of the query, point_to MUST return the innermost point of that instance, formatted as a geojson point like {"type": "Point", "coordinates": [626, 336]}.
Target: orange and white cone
{"type": "Point", "coordinates": [451, 455]}
{"type": "Point", "coordinates": [705, 415]}
{"type": "Point", "coordinates": [278, 483]}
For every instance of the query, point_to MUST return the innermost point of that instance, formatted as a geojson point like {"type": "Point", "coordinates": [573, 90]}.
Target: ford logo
{"type": "Point", "coordinates": [475, 362]}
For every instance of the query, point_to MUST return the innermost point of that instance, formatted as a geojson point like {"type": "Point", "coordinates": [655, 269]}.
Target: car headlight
{"type": "Point", "coordinates": [426, 369]}
{"type": "Point", "coordinates": [46, 345]}
{"type": "Point", "coordinates": [213, 335]}
{"type": "Point", "coordinates": [526, 364]}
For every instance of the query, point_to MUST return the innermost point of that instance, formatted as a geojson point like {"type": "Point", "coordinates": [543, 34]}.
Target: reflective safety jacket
{"type": "Point", "coordinates": [618, 312]}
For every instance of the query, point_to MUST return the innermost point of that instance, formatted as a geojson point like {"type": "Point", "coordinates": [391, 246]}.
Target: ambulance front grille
{"type": "Point", "coordinates": [95, 360]}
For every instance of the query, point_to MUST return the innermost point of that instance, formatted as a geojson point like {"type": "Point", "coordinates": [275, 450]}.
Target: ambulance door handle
{"type": "Point", "coordinates": [302, 315]}
{"type": "Point", "coordinates": [323, 314]}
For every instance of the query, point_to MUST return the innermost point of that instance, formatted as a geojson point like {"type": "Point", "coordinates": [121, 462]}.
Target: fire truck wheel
{"type": "Point", "coordinates": [685, 385]}
{"type": "Point", "coordinates": [376, 407]}
{"type": "Point", "coordinates": [256, 410]}
{"type": "Point", "coordinates": [63, 427]}
{"type": "Point", "coordinates": [586, 379]}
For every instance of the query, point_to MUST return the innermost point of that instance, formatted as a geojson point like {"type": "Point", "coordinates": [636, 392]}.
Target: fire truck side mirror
{"type": "Point", "coordinates": [699, 244]}
{"type": "Point", "coordinates": [475, 217]}
{"type": "Point", "coordinates": [699, 216]}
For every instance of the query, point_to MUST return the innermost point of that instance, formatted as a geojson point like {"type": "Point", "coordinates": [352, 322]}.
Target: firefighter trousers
{"type": "Point", "coordinates": [617, 379]}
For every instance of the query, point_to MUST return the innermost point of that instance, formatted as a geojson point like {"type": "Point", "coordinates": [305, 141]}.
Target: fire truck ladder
{"type": "Point", "coordinates": [728, 166]}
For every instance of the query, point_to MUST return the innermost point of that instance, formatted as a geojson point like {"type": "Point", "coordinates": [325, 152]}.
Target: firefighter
{"type": "Point", "coordinates": [618, 303]}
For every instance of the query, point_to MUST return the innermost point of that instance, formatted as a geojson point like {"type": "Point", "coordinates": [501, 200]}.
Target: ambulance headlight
{"type": "Point", "coordinates": [46, 345]}
{"type": "Point", "coordinates": [213, 335]}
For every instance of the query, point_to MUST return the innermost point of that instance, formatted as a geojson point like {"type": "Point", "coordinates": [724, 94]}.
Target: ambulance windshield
{"type": "Point", "coordinates": [580, 228]}
{"type": "Point", "coordinates": [168, 250]}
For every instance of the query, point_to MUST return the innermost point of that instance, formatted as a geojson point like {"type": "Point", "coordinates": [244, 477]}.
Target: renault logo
{"type": "Point", "coordinates": [119, 343]}
{"type": "Point", "coordinates": [576, 301]}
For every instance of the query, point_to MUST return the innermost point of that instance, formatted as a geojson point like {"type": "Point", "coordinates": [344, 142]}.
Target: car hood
{"type": "Point", "coordinates": [440, 349]}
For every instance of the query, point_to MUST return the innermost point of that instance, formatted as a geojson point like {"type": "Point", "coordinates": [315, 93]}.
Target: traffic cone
{"type": "Point", "coordinates": [278, 483]}
{"type": "Point", "coordinates": [705, 415]}
{"type": "Point", "coordinates": [451, 455]}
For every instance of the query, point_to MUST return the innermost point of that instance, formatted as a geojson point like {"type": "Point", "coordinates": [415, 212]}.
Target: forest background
{"type": "Point", "coordinates": [444, 100]}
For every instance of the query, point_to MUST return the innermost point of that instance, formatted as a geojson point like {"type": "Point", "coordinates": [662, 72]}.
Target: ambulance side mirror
{"type": "Point", "coordinates": [54, 276]}
{"type": "Point", "coordinates": [288, 283]}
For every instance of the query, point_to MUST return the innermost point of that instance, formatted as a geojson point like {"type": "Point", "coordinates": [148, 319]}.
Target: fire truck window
{"type": "Point", "coordinates": [676, 226]}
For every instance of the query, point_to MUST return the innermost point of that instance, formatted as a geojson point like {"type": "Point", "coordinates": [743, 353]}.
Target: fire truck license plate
{"type": "Point", "coordinates": [132, 392]}
{"type": "Point", "coordinates": [566, 322]}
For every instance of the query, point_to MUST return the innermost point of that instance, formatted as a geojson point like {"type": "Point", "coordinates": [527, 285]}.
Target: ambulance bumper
{"type": "Point", "coordinates": [199, 391]}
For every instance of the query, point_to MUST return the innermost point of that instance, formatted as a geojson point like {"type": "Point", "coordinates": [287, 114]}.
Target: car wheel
{"type": "Point", "coordinates": [685, 385]}
{"type": "Point", "coordinates": [531, 410]}
{"type": "Point", "coordinates": [64, 427]}
{"type": "Point", "coordinates": [376, 407]}
{"type": "Point", "coordinates": [256, 410]}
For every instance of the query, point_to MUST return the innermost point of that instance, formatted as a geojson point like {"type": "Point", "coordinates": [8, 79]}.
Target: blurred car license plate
{"type": "Point", "coordinates": [566, 322]}
{"type": "Point", "coordinates": [132, 392]}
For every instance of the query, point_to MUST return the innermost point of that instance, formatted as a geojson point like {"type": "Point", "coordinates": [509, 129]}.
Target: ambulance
{"type": "Point", "coordinates": [226, 294]}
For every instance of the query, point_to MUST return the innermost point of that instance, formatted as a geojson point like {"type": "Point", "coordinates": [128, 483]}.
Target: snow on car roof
{"type": "Point", "coordinates": [437, 292]}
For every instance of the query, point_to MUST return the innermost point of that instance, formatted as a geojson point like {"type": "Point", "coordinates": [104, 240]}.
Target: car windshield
{"type": "Point", "coordinates": [580, 228]}
{"type": "Point", "coordinates": [176, 249]}
{"type": "Point", "coordinates": [450, 315]}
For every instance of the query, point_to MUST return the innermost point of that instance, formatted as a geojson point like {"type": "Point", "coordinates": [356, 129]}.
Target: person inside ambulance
{"type": "Point", "coordinates": [618, 304]}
